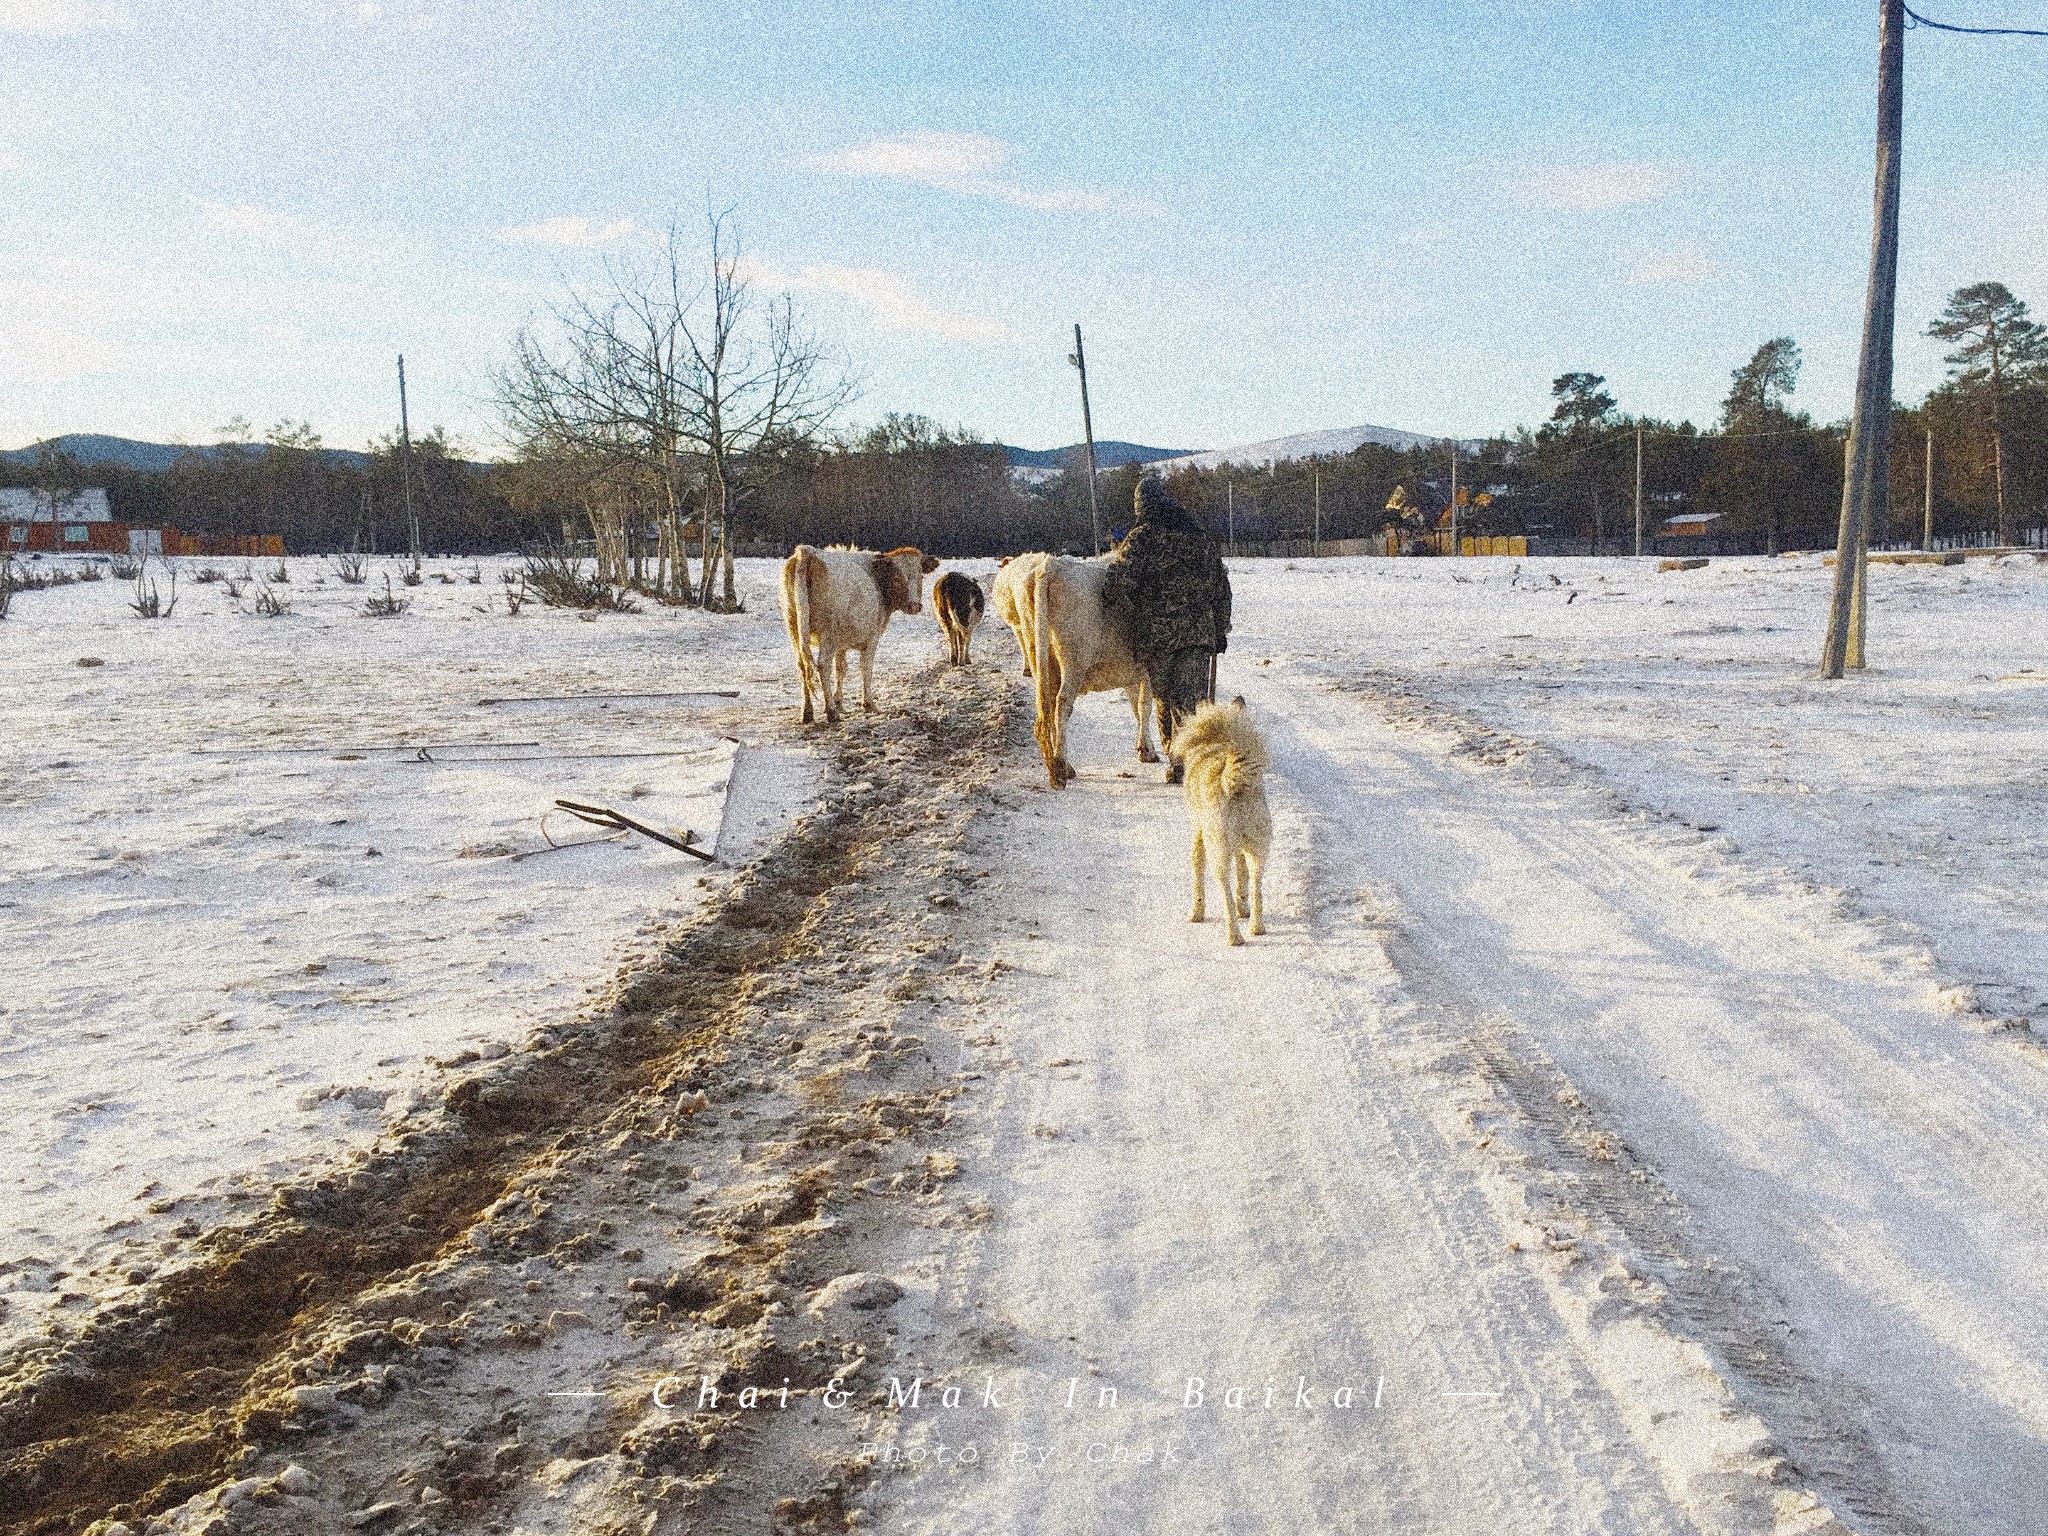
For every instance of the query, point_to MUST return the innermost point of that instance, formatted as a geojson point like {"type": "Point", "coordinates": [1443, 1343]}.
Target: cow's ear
{"type": "Point", "coordinates": [929, 564]}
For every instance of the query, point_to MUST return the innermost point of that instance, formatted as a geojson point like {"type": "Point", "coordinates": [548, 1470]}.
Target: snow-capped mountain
{"type": "Point", "coordinates": [1301, 445]}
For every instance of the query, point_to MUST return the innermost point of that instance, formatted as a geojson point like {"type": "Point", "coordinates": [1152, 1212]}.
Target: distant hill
{"type": "Point", "coordinates": [129, 453]}
{"type": "Point", "coordinates": [1107, 455]}
{"type": "Point", "coordinates": [1302, 445]}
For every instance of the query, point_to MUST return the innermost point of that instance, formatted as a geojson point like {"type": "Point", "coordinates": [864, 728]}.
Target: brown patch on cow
{"type": "Point", "coordinates": [898, 595]}
{"type": "Point", "coordinates": [925, 563]}
{"type": "Point", "coordinates": [890, 583]}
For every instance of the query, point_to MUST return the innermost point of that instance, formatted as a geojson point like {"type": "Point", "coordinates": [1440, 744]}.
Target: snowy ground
{"type": "Point", "coordinates": [1635, 1113]}
{"type": "Point", "coordinates": [1635, 1096]}
{"type": "Point", "coordinates": [242, 921]}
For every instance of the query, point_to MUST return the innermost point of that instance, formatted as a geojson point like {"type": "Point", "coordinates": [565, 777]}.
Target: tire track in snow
{"type": "Point", "coordinates": [1235, 1164]}
{"type": "Point", "coordinates": [1852, 1175]}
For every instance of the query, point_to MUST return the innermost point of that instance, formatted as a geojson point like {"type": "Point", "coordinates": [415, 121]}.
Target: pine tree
{"type": "Point", "coordinates": [1999, 346]}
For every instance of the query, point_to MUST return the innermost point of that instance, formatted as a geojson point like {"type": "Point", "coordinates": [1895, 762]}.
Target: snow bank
{"type": "Point", "coordinates": [245, 916]}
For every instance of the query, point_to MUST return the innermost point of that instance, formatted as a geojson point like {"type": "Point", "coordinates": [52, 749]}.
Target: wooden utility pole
{"type": "Point", "coordinates": [1316, 539]}
{"type": "Point", "coordinates": [1927, 498]}
{"type": "Point", "coordinates": [412, 522]}
{"type": "Point", "coordinates": [1454, 496]}
{"type": "Point", "coordinates": [1867, 471]}
{"type": "Point", "coordinates": [1639, 493]}
{"type": "Point", "coordinates": [1080, 361]}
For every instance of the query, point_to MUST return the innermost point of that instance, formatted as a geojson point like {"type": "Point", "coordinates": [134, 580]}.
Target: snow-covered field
{"type": "Point", "coordinates": [1638, 1104]}
{"type": "Point", "coordinates": [262, 875]}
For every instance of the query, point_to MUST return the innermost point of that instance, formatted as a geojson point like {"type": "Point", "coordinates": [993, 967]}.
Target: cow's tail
{"type": "Point", "coordinates": [796, 613]}
{"type": "Point", "coordinates": [1045, 666]}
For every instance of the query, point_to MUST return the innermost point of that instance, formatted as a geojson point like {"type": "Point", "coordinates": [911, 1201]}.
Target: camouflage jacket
{"type": "Point", "coordinates": [1167, 578]}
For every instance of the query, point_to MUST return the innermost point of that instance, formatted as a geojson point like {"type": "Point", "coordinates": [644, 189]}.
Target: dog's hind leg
{"type": "Point", "coordinates": [1199, 910]}
{"type": "Point", "coordinates": [1233, 906]}
{"type": "Point", "coordinates": [1257, 867]}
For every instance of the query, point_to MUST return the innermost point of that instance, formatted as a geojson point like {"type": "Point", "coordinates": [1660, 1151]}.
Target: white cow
{"type": "Point", "coordinates": [1076, 649]}
{"type": "Point", "coordinates": [838, 600]}
{"type": "Point", "coordinates": [1009, 594]}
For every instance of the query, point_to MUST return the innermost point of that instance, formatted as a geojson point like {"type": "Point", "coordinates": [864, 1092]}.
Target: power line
{"type": "Point", "coordinates": [1915, 19]}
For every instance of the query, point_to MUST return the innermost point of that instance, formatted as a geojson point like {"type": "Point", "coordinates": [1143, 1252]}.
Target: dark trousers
{"type": "Point", "coordinates": [1179, 685]}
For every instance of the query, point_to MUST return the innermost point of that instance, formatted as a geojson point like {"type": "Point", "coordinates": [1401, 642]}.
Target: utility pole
{"type": "Point", "coordinates": [1230, 511]}
{"type": "Point", "coordinates": [1316, 539]}
{"type": "Point", "coordinates": [1080, 361]}
{"type": "Point", "coordinates": [1927, 501]}
{"type": "Point", "coordinates": [1639, 491]}
{"type": "Point", "coordinates": [412, 522]}
{"type": "Point", "coordinates": [1867, 471]}
{"type": "Point", "coordinates": [1454, 496]}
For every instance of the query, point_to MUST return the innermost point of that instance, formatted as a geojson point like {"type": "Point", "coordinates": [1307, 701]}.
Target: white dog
{"type": "Point", "coordinates": [1226, 787]}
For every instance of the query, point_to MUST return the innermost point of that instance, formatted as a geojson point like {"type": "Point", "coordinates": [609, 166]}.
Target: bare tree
{"type": "Point", "coordinates": [689, 384]}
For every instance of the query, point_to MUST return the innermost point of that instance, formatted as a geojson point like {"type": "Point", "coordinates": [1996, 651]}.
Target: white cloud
{"type": "Point", "coordinates": [1687, 264]}
{"type": "Point", "coordinates": [238, 218]}
{"type": "Point", "coordinates": [59, 18]}
{"type": "Point", "coordinates": [570, 229]}
{"type": "Point", "coordinates": [894, 307]}
{"type": "Point", "coordinates": [10, 161]}
{"type": "Point", "coordinates": [964, 163]}
{"type": "Point", "coordinates": [1585, 188]}
{"type": "Point", "coordinates": [890, 301]}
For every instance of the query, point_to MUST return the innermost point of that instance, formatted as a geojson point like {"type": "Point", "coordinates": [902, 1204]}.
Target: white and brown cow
{"type": "Point", "coordinates": [957, 603]}
{"type": "Point", "coordinates": [1075, 649]}
{"type": "Point", "coordinates": [838, 600]}
{"type": "Point", "coordinates": [1010, 593]}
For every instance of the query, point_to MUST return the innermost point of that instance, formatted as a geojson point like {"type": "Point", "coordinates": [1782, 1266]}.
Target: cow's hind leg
{"type": "Point", "coordinates": [834, 710]}
{"type": "Point", "coordinates": [1141, 707]}
{"type": "Point", "coordinates": [1066, 770]}
{"type": "Point", "coordinates": [867, 681]}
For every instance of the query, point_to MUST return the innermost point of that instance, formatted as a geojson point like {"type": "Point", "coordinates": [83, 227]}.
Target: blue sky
{"type": "Point", "coordinates": [1269, 219]}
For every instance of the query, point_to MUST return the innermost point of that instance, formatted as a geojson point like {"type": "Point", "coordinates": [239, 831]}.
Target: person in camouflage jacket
{"type": "Point", "coordinates": [1167, 581]}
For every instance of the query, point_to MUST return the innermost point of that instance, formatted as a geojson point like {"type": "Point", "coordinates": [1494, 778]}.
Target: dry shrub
{"type": "Point", "coordinates": [388, 606]}
{"type": "Point", "coordinates": [147, 603]}
{"type": "Point", "coordinates": [557, 578]}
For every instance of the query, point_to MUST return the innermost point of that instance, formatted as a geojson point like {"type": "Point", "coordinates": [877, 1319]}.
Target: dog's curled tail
{"type": "Point", "coordinates": [1240, 774]}
{"type": "Point", "coordinates": [1226, 730]}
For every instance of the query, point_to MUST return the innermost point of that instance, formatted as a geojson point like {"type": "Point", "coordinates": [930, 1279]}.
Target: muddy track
{"type": "Point", "coordinates": [159, 1398]}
